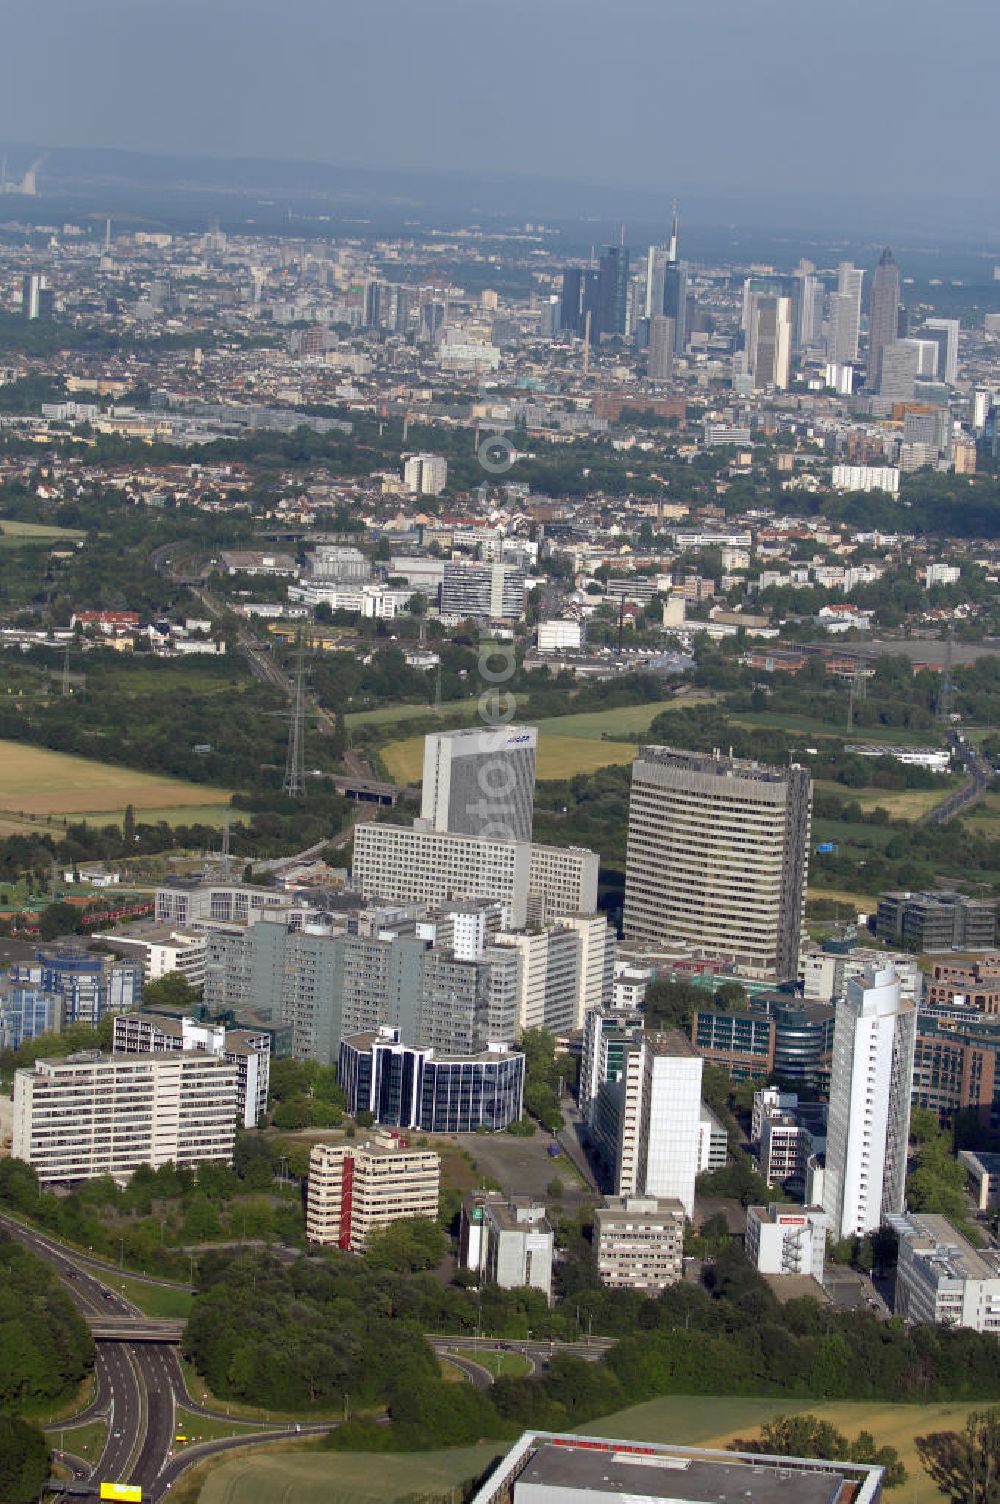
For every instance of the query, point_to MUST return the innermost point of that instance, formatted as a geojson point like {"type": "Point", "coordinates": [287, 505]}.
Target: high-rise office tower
{"type": "Point", "coordinates": [373, 304]}
{"type": "Point", "coordinates": [845, 315]}
{"type": "Point", "coordinates": [769, 341]}
{"type": "Point", "coordinates": [404, 303]}
{"type": "Point", "coordinates": [945, 333]}
{"type": "Point", "coordinates": [899, 367]}
{"type": "Point", "coordinates": [717, 855]}
{"type": "Point", "coordinates": [662, 334]}
{"type": "Point", "coordinates": [480, 782]}
{"type": "Point", "coordinates": [579, 297]}
{"type": "Point", "coordinates": [659, 1116]}
{"type": "Point", "coordinates": [870, 1083]}
{"type": "Point", "coordinates": [36, 297]}
{"type": "Point", "coordinates": [612, 291]}
{"type": "Point", "coordinates": [656, 263]}
{"type": "Point", "coordinates": [807, 306]}
{"type": "Point", "coordinates": [883, 318]}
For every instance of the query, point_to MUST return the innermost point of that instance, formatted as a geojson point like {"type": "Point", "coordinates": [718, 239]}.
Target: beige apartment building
{"type": "Point", "coordinates": [717, 859]}
{"type": "Point", "coordinates": [354, 1188]}
{"type": "Point", "coordinates": [89, 1114]}
{"type": "Point", "coordinates": [639, 1242]}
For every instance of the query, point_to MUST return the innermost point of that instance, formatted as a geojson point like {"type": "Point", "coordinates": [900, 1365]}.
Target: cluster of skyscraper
{"type": "Point", "coordinates": [783, 315]}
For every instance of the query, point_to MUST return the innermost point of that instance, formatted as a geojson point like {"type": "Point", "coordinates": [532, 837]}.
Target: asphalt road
{"type": "Point", "coordinates": [138, 1389]}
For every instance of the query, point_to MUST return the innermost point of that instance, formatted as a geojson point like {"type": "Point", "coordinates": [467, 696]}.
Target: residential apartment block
{"type": "Point", "coordinates": [355, 1188]}
{"type": "Point", "coordinates": [87, 1115]}
{"type": "Point", "coordinates": [639, 1242]}
{"type": "Point", "coordinates": [250, 1052]}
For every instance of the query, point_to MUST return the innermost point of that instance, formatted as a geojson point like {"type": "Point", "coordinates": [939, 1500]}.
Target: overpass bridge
{"type": "Point", "coordinates": [120, 1328]}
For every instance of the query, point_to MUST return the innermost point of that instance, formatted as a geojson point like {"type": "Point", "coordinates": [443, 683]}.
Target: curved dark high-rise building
{"type": "Point", "coordinates": [883, 319]}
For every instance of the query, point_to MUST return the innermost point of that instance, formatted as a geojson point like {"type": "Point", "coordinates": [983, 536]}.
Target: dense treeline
{"type": "Point", "coordinates": [45, 1347]}
{"type": "Point", "coordinates": [306, 1334]}
{"type": "Point", "coordinates": [24, 1460]}
{"type": "Point", "coordinates": [147, 1223]}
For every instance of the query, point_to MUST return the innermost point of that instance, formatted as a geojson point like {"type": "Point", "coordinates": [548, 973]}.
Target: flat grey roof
{"type": "Point", "coordinates": [677, 1477]}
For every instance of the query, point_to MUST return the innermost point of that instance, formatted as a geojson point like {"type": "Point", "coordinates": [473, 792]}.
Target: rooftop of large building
{"type": "Point", "coordinates": [951, 1256]}
{"type": "Point", "coordinates": [638, 1472]}
{"type": "Point", "coordinates": [715, 764]}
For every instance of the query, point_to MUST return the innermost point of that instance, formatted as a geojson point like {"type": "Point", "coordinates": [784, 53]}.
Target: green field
{"type": "Point", "coordinates": [15, 534]}
{"type": "Point", "coordinates": [897, 736]}
{"type": "Point", "coordinates": [626, 720]}
{"type": "Point", "coordinates": [902, 804]}
{"type": "Point", "coordinates": [36, 781]}
{"type": "Point", "coordinates": [695, 1421]}
{"type": "Point", "coordinates": [315, 1477]}
{"type": "Point", "coordinates": [389, 715]}
{"type": "Point", "coordinates": [157, 1301]}
{"type": "Point", "coordinates": [558, 756]}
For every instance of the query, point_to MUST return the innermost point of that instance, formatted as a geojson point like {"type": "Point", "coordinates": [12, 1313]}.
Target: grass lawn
{"type": "Point", "coordinates": [895, 736]}
{"type": "Point", "coordinates": [15, 533]}
{"type": "Point", "coordinates": [83, 1441]}
{"type": "Point", "coordinates": [902, 804]}
{"type": "Point", "coordinates": [851, 833]}
{"type": "Point", "coordinates": [863, 903]}
{"type": "Point", "coordinates": [627, 720]}
{"type": "Point", "coordinates": [315, 1477]}
{"type": "Point", "coordinates": [697, 1421]}
{"type": "Point", "coordinates": [388, 715]}
{"type": "Point", "coordinates": [37, 781]}
{"type": "Point", "coordinates": [558, 756]}
{"type": "Point", "coordinates": [210, 1428]}
{"type": "Point", "coordinates": [157, 1301]}
{"type": "Point", "coordinates": [500, 1365]}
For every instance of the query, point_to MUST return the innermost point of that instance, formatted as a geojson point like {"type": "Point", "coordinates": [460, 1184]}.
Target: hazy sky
{"type": "Point", "coordinates": [847, 96]}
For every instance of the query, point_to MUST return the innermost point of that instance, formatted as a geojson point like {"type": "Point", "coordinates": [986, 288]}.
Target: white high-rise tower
{"type": "Point", "coordinates": [873, 1043]}
{"type": "Point", "coordinates": [480, 782]}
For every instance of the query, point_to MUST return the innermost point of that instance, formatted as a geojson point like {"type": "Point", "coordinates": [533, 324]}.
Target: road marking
{"type": "Point", "coordinates": [143, 1426]}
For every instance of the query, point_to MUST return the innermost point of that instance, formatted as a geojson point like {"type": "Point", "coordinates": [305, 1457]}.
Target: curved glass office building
{"type": "Point", "coordinates": [404, 1086]}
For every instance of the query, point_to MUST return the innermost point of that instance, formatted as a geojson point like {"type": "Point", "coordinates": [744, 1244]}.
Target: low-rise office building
{"type": "Point", "coordinates": [639, 1242]}
{"type": "Point", "coordinates": [783, 1239]}
{"type": "Point", "coordinates": [88, 1115]}
{"type": "Point", "coordinates": [942, 1279]}
{"type": "Point", "coordinates": [405, 1086]}
{"type": "Point", "coordinates": [938, 920]}
{"type": "Point", "coordinates": [355, 1188]}
{"type": "Point", "coordinates": [509, 1241]}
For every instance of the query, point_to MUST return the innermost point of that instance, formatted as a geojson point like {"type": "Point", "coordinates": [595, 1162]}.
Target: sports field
{"type": "Point", "coordinates": [35, 781]}
{"type": "Point", "coordinates": [558, 756]}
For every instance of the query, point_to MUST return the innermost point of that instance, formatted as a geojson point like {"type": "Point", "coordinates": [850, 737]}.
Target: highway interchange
{"type": "Point", "coordinates": [139, 1388]}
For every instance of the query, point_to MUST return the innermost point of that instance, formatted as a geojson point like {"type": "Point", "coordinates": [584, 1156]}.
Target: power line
{"type": "Point", "coordinates": [294, 784]}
